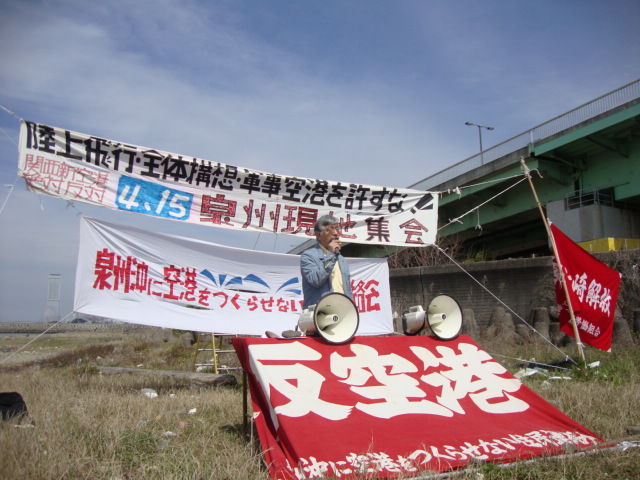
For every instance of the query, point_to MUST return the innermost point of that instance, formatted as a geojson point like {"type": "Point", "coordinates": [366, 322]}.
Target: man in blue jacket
{"type": "Point", "coordinates": [323, 269]}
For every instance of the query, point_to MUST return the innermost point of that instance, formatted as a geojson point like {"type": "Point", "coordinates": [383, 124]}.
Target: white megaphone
{"type": "Point", "coordinates": [443, 315]}
{"type": "Point", "coordinates": [335, 318]}
{"type": "Point", "coordinates": [413, 320]}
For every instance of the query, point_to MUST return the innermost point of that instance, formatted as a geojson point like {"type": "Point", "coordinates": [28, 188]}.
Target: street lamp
{"type": "Point", "coordinates": [480, 127]}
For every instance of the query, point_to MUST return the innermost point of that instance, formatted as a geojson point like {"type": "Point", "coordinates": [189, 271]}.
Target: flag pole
{"type": "Point", "coordinates": [563, 282]}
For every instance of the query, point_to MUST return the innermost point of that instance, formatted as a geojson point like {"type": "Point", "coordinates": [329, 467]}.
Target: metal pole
{"type": "Point", "coordinates": [480, 127]}
{"type": "Point", "coordinates": [245, 408]}
{"type": "Point", "coordinates": [481, 151]}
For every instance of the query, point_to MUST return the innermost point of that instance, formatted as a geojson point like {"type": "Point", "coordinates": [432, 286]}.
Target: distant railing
{"type": "Point", "coordinates": [598, 106]}
{"type": "Point", "coordinates": [582, 199]}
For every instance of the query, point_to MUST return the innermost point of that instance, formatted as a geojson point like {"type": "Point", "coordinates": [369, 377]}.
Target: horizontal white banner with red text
{"type": "Point", "coordinates": [130, 178]}
{"type": "Point", "coordinates": [136, 276]}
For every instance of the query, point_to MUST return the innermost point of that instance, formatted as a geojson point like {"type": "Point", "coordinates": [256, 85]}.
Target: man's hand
{"type": "Point", "coordinates": [334, 245]}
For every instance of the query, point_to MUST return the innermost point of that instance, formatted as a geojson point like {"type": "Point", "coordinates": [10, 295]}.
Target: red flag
{"type": "Point", "coordinates": [593, 289]}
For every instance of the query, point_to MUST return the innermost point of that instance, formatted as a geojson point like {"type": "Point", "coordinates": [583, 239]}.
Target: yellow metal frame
{"type": "Point", "coordinates": [215, 351]}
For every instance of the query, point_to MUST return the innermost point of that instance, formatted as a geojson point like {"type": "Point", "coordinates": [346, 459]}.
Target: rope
{"type": "Point", "coordinates": [529, 361]}
{"type": "Point", "coordinates": [9, 111]}
{"type": "Point", "coordinates": [527, 174]}
{"type": "Point", "coordinates": [457, 219]}
{"type": "Point", "coordinates": [11, 187]}
{"type": "Point", "coordinates": [10, 138]}
{"type": "Point", "coordinates": [501, 302]}
{"type": "Point", "coordinates": [457, 189]}
{"type": "Point", "coordinates": [256, 242]}
{"type": "Point", "coordinates": [570, 223]}
{"type": "Point", "coordinates": [36, 338]}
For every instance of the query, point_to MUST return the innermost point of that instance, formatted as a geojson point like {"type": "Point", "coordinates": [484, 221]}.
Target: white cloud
{"type": "Point", "coordinates": [272, 88]}
{"type": "Point", "coordinates": [280, 119]}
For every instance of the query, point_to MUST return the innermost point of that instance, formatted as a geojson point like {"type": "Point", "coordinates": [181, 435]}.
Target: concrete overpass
{"type": "Point", "coordinates": [585, 168]}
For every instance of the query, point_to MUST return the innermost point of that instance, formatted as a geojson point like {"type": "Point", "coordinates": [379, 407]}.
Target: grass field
{"type": "Point", "coordinates": [85, 425]}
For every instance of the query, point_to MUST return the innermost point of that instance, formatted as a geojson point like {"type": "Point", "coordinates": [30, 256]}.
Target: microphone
{"type": "Point", "coordinates": [337, 249]}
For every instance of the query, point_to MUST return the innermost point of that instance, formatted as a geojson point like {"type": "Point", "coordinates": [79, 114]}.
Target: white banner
{"type": "Point", "coordinates": [130, 178]}
{"type": "Point", "coordinates": [169, 281]}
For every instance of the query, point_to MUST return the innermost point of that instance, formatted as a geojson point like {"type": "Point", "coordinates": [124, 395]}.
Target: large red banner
{"type": "Point", "coordinates": [593, 289]}
{"type": "Point", "coordinates": [385, 407]}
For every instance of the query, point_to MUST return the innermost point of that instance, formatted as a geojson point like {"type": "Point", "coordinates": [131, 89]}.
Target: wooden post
{"type": "Point", "coordinates": [563, 282]}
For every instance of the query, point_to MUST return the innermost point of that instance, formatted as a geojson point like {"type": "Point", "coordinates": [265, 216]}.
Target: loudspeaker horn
{"type": "Point", "coordinates": [335, 318]}
{"type": "Point", "coordinates": [444, 317]}
{"type": "Point", "coordinates": [413, 320]}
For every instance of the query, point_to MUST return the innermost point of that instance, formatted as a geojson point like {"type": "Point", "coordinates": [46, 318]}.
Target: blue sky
{"type": "Point", "coordinates": [374, 92]}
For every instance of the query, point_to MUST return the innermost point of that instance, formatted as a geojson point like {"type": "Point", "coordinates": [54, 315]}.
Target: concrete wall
{"type": "Point", "coordinates": [599, 220]}
{"type": "Point", "coordinates": [522, 284]}
{"type": "Point", "coordinates": [524, 290]}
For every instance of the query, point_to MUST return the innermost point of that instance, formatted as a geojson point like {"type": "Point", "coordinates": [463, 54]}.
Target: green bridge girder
{"type": "Point", "coordinates": [497, 213]}
{"type": "Point", "coordinates": [493, 209]}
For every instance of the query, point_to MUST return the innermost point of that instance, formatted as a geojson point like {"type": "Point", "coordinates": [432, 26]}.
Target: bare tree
{"type": "Point", "coordinates": [428, 255]}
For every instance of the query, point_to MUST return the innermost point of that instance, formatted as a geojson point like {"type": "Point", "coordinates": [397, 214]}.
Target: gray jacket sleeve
{"type": "Point", "coordinates": [316, 269]}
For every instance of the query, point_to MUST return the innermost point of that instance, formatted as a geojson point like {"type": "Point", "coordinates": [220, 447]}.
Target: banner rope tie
{"type": "Point", "coordinates": [457, 219]}
{"type": "Point", "coordinates": [10, 112]}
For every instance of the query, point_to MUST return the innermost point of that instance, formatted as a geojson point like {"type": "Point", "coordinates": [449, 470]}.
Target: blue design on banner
{"type": "Point", "coordinates": [149, 198]}
{"type": "Point", "coordinates": [294, 280]}
{"type": "Point", "coordinates": [235, 282]}
{"type": "Point", "coordinates": [254, 278]}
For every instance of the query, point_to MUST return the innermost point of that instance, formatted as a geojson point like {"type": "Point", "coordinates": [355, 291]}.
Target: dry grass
{"type": "Point", "coordinates": [84, 425]}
